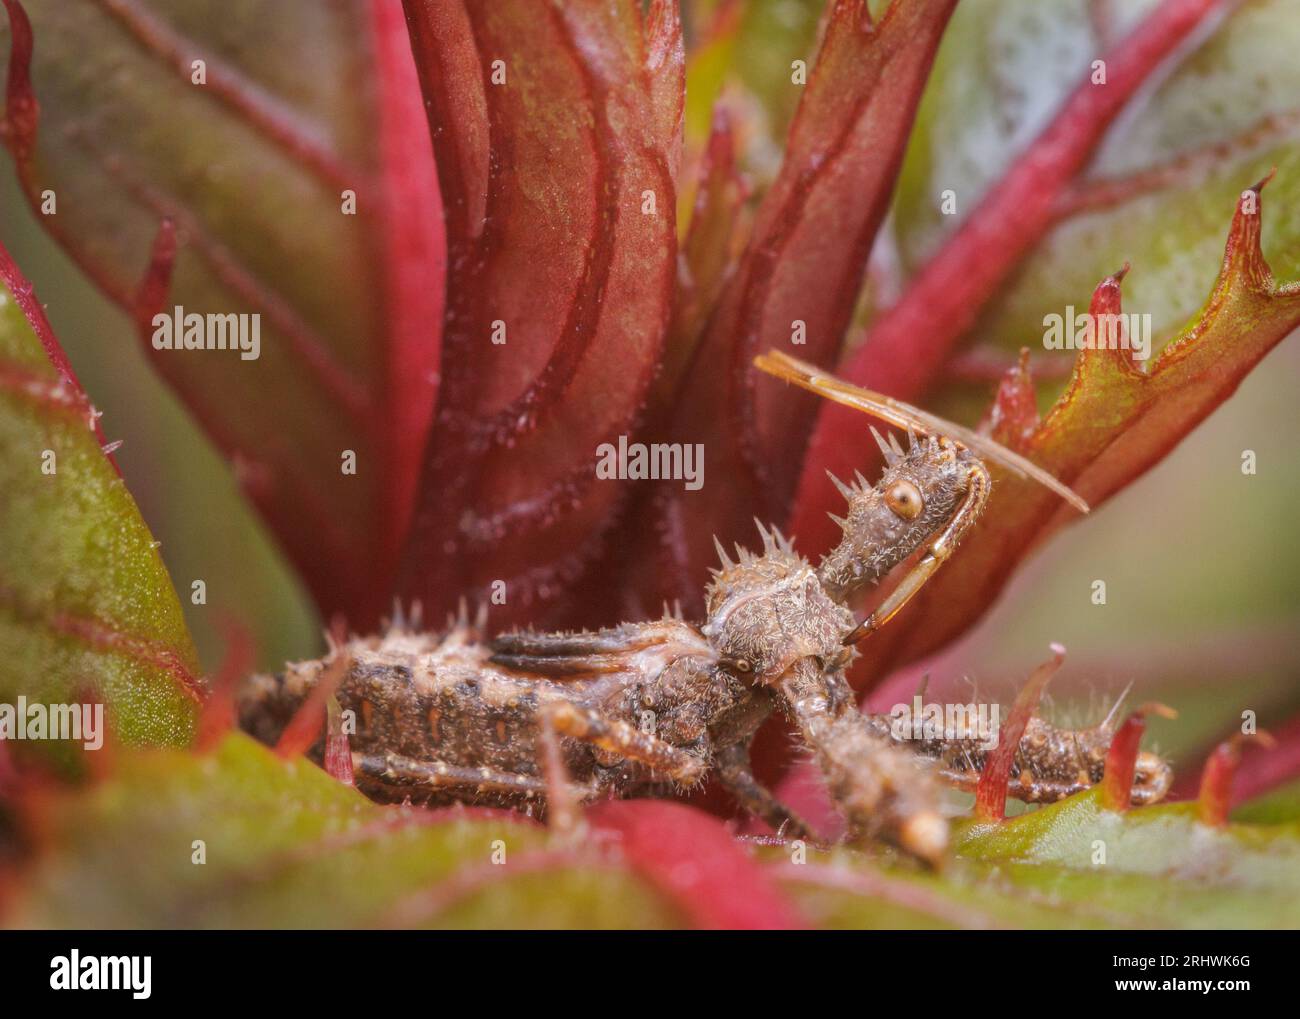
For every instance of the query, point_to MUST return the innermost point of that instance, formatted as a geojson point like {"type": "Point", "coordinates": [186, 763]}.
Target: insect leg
{"type": "Point", "coordinates": [572, 655]}
{"type": "Point", "coordinates": [545, 644]}
{"type": "Point", "coordinates": [619, 737]}
{"type": "Point", "coordinates": [978, 485]}
{"type": "Point", "coordinates": [561, 806]}
{"type": "Point", "coordinates": [877, 786]}
{"type": "Point", "coordinates": [737, 778]}
{"type": "Point", "coordinates": [460, 780]}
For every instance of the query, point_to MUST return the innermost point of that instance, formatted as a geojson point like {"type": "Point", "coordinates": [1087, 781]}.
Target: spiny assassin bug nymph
{"type": "Point", "coordinates": [546, 720]}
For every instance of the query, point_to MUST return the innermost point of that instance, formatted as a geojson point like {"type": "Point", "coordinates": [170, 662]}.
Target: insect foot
{"type": "Point", "coordinates": [885, 792]}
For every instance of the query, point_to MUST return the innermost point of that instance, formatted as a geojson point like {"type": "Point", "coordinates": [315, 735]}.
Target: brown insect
{"type": "Point", "coordinates": [1050, 764]}
{"type": "Point", "coordinates": [546, 720]}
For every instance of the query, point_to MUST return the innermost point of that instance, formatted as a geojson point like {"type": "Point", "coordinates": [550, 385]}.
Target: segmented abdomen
{"type": "Point", "coordinates": [1051, 763]}
{"type": "Point", "coordinates": [424, 697]}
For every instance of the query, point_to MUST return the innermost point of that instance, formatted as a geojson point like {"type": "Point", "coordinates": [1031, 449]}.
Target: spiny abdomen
{"type": "Point", "coordinates": [422, 696]}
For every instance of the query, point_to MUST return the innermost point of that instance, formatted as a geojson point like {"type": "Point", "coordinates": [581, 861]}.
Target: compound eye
{"type": "Point", "coordinates": [904, 498]}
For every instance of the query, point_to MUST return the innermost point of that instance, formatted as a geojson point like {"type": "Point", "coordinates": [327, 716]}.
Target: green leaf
{"type": "Point", "coordinates": [86, 606]}
{"type": "Point", "coordinates": [1155, 193]}
{"type": "Point", "coordinates": [1162, 868]}
{"type": "Point", "coordinates": [1194, 874]}
{"type": "Point", "coordinates": [1114, 421]}
{"type": "Point", "coordinates": [1279, 806]}
{"type": "Point", "coordinates": [285, 845]}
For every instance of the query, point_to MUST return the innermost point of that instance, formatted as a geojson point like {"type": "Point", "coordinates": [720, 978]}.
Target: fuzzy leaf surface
{"type": "Point", "coordinates": [87, 610]}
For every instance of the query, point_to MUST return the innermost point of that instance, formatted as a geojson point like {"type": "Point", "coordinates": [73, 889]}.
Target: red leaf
{"type": "Point", "coordinates": [1113, 423]}
{"type": "Point", "coordinates": [908, 345]}
{"type": "Point", "coordinates": [698, 863]}
{"type": "Point", "coordinates": [350, 306]}
{"type": "Point", "coordinates": [555, 126]}
{"type": "Point", "coordinates": [804, 263]}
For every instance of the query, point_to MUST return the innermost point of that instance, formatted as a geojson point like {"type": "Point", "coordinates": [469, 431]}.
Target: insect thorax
{"type": "Point", "coordinates": [765, 612]}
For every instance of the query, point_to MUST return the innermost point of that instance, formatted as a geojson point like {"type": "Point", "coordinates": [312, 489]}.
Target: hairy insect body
{"type": "Point", "coordinates": [1050, 763]}
{"type": "Point", "coordinates": [768, 611]}
{"type": "Point", "coordinates": [531, 719]}
{"type": "Point", "coordinates": [453, 718]}
{"type": "Point", "coordinates": [772, 613]}
{"type": "Point", "coordinates": [439, 719]}
{"type": "Point", "coordinates": [457, 719]}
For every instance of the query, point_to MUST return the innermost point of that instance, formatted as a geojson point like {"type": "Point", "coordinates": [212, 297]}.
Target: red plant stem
{"type": "Point", "coordinates": [1215, 798]}
{"type": "Point", "coordinates": [1121, 763]}
{"type": "Point", "coordinates": [907, 346]}
{"type": "Point", "coordinates": [218, 715]}
{"type": "Point", "coordinates": [305, 725]}
{"type": "Point", "coordinates": [1255, 775]}
{"type": "Point", "coordinates": [1260, 773]}
{"type": "Point", "coordinates": [338, 755]}
{"type": "Point", "coordinates": [991, 793]}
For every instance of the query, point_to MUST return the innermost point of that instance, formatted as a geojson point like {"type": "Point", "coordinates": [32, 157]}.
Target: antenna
{"type": "Point", "coordinates": [904, 415]}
